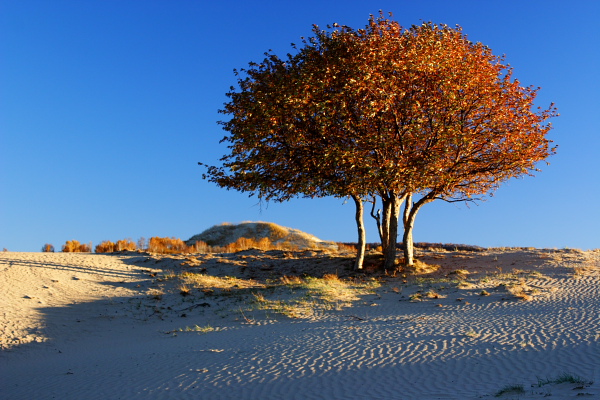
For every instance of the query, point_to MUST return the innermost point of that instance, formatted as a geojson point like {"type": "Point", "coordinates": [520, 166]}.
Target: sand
{"type": "Point", "coordinates": [87, 326]}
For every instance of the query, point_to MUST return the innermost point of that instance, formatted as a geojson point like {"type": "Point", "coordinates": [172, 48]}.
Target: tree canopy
{"type": "Point", "coordinates": [382, 111]}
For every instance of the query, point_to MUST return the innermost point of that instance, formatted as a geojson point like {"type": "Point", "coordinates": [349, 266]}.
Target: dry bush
{"type": "Point", "coordinates": [125, 244]}
{"type": "Point", "coordinates": [142, 243]}
{"type": "Point", "coordinates": [73, 246]}
{"type": "Point", "coordinates": [48, 248]}
{"type": "Point", "coordinates": [248, 243]}
{"type": "Point", "coordinates": [105, 247]}
{"type": "Point", "coordinates": [347, 248]}
{"type": "Point", "coordinates": [167, 245]}
{"type": "Point", "coordinates": [201, 247]}
{"type": "Point", "coordinates": [85, 248]}
{"type": "Point", "coordinates": [520, 290]}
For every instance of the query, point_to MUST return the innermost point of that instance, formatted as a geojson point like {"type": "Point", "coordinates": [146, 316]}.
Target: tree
{"type": "Point", "coordinates": [48, 248]}
{"type": "Point", "coordinates": [457, 122]}
{"type": "Point", "coordinates": [282, 135]}
{"type": "Point", "coordinates": [73, 246]}
{"type": "Point", "coordinates": [382, 111]}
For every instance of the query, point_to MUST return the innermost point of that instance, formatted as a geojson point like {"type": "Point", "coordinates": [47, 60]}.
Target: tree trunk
{"type": "Point", "coordinates": [408, 220]}
{"type": "Point", "coordinates": [410, 213]}
{"type": "Point", "coordinates": [391, 209]}
{"type": "Point", "coordinates": [389, 262]}
{"type": "Point", "coordinates": [362, 237]}
{"type": "Point", "coordinates": [407, 239]}
{"type": "Point", "coordinates": [385, 223]}
{"type": "Point", "coordinates": [377, 218]}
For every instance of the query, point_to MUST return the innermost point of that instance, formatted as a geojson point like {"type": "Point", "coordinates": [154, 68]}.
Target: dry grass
{"type": "Point", "coordinates": [293, 296]}
{"type": "Point", "coordinates": [421, 268]}
{"type": "Point", "coordinates": [306, 297]}
{"type": "Point", "coordinates": [520, 290]}
{"type": "Point", "coordinates": [228, 283]}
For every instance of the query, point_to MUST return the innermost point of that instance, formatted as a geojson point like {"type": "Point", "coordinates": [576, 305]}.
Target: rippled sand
{"type": "Point", "coordinates": [87, 326]}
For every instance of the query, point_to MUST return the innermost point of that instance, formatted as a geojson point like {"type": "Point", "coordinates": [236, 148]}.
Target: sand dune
{"type": "Point", "coordinates": [77, 326]}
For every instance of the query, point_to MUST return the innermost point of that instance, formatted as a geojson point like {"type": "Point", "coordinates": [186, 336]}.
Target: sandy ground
{"type": "Point", "coordinates": [86, 326]}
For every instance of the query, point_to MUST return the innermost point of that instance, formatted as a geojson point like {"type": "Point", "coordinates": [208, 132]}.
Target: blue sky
{"type": "Point", "coordinates": [107, 106]}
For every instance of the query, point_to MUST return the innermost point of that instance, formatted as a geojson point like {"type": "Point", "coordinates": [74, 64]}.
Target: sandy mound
{"type": "Point", "coordinates": [226, 233]}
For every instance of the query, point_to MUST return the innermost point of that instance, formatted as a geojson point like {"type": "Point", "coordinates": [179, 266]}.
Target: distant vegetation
{"type": "Point", "coordinates": [73, 246]}
{"type": "Point", "coordinates": [48, 248]}
{"type": "Point", "coordinates": [166, 245]}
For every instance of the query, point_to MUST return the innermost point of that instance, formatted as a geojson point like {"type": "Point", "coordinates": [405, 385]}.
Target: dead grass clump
{"type": "Point", "coordinates": [73, 246]}
{"type": "Point", "coordinates": [459, 273]}
{"type": "Point", "coordinates": [291, 280]}
{"type": "Point", "coordinates": [420, 268]}
{"type": "Point", "coordinates": [582, 271]}
{"type": "Point", "coordinates": [520, 291]}
{"type": "Point", "coordinates": [156, 294]}
{"type": "Point", "coordinates": [48, 248]}
{"type": "Point", "coordinates": [432, 294]}
{"type": "Point", "coordinates": [185, 290]}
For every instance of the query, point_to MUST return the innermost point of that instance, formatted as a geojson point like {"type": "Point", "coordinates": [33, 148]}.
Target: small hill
{"type": "Point", "coordinates": [226, 233]}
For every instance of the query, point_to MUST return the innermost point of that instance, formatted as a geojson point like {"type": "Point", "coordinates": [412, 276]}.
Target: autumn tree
{"type": "Point", "coordinates": [48, 248]}
{"type": "Point", "coordinates": [403, 114]}
{"type": "Point", "coordinates": [282, 137]}
{"type": "Point", "coordinates": [454, 121]}
{"type": "Point", "coordinates": [73, 246]}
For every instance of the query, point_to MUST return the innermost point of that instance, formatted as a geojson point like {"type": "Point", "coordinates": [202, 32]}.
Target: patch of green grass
{"type": "Point", "coordinates": [510, 389]}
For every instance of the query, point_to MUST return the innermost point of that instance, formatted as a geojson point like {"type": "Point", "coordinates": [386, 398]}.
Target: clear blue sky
{"type": "Point", "coordinates": [107, 106]}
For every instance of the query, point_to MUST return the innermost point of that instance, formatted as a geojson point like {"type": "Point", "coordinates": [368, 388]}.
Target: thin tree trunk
{"type": "Point", "coordinates": [409, 223]}
{"type": "Point", "coordinates": [385, 223]}
{"type": "Point", "coordinates": [391, 212]}
{"type": "Point", "coordinates": [407, 207]}
{"type": "Point", "coordinates": [377, 218]}
{"type": "Point", "coordinates": [389, 262]}
{"type": "Point", "coordinates": [362, 237]}
{"type": "Point", "coordinates": [407, 239]}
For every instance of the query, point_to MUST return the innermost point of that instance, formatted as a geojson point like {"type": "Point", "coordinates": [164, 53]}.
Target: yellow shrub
{"type": "Point", "coordinates": [48, 248]}
{"type": "Point", "coordinates": [105, 247]}
{"type": "Point", "coordinates": [167, 245]}
{"type": "Point", "coordinates": [125, 244]}
{"type": "Point", "coordinates": [73, 246]}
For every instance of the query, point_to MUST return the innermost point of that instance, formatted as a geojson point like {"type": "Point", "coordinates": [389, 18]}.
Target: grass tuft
{"type": "Point", "coordinates": [563, 378]}
{"type": "Point", "coordinates": [510, 389]}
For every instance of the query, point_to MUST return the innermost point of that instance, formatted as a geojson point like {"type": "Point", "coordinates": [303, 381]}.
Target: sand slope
{"type": "Point", "coordinates": [90, 326]}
